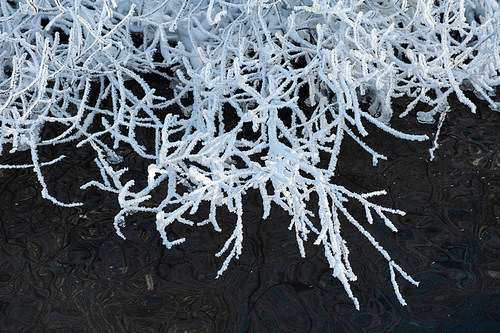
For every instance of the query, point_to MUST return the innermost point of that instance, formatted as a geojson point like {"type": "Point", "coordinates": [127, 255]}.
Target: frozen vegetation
{"type": "Point", "coordinates": [258, 59]}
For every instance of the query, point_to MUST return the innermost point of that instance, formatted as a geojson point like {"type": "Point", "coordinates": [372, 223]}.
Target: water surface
{"type": "Point", "coordinates": [65, 270]}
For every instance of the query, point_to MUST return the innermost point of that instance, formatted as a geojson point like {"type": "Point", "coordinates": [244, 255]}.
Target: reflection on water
{"type": "Point", "coordinates": [65, 270]}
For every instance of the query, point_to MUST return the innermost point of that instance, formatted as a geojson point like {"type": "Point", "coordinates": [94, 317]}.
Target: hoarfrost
{"type": "Point", "coordinates": [257, 58]}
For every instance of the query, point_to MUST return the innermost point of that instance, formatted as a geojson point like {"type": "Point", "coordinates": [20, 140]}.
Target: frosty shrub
{"type": "Point", "coordinates": [258, 59]}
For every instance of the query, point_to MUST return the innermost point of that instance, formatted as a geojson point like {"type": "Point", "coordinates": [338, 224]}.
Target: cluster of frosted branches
{"type": "Point", "coordinates": [266, 91]}
{"type": "Point", "coordinates": [51, 58]}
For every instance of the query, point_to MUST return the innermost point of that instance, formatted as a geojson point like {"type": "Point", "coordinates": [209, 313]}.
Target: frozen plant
{"type": "Point", "coordinates": [266, 91]}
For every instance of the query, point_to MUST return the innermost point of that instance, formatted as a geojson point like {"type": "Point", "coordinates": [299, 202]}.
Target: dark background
{"type": "Point", "coordinates": [66, 270]}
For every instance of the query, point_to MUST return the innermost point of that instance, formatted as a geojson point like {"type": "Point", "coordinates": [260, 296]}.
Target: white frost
{"type": "Point", "coordinates": [257, 59]}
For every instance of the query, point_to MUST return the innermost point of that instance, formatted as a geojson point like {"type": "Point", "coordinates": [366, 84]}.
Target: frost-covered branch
{"type": "Point", "coordinates": [264, 93]}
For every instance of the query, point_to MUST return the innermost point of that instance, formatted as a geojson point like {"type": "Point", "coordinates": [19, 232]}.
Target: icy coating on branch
{"type": "Point", "coordinates": [266, 91]}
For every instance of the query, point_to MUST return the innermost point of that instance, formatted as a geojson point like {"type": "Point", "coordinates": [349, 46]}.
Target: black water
{"type": "Point", "coordinates": [65, 270]}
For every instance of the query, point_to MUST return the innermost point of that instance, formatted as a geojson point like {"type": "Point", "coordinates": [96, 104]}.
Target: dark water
{"type": "Point", "coordinates": [65, 270]}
